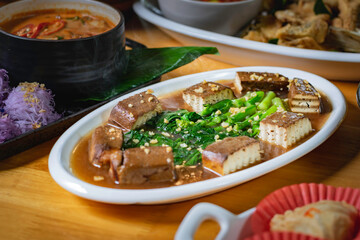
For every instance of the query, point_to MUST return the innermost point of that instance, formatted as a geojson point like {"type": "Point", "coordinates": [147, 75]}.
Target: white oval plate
{"type": "Point", "coordinates": [60, 154]}
{"type": "Point", "coordinates": [242, 52]}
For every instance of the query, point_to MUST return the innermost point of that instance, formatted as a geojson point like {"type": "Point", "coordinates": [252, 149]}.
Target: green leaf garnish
{"type": "Point", "coordinates": [274, 41]}
{"type": "Point", "coordinates": [147, 64]}
{"type": "Point", "coordinates": [320, 8]}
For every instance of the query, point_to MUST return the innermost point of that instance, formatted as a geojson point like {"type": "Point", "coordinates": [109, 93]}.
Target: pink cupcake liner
{"type": "Point", "coordinates": [281, 236]}
{"type": "Point", "coordinates": [291, 197]}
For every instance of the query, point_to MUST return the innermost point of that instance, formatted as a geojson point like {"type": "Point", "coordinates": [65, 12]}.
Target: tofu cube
{"type": "Point", "coordinates": [206, 93]}
{"type": "Point", "coordinates": [284, 128]}
{"type": "Point", "coordinates": [147, 165]}
{"type": "Point", "coordinates": [255, 81]}
{"type": "Point", "coordinates": [231, 154]}
{"type": "Point", "coordinates": [104, 138]}
{"type": "Point", "coordinates": [135, 111]}
{"type": "Point", "coordinates": [303, 97]}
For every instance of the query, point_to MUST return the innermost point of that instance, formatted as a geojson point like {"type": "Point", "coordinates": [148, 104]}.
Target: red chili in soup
{"type": "Point", "coordinates": [57, 24]}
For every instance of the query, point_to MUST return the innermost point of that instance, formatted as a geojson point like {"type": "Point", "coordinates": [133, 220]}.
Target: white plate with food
{"type": "Point", "coordinates": [70, 167]}
{"type": "Point", "coordinates": [242, 52]}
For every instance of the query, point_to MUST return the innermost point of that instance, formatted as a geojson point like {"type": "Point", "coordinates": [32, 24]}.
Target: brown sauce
{"type": "Point", "coordinates": [60, 24]}
{"type": "Point", "coordinates": [84, 170]}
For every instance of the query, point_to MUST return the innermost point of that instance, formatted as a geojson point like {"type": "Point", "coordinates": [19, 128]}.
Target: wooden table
{"type": "Point", "coordinates": [33, 206]}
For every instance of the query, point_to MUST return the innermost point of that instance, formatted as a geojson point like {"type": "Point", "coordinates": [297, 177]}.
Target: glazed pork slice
{"type": "Point", "coordinates": [284, 128]}
{"type": "Point", "coordinates": [260, 81]}
{"type": "Point", "coordinates": [135, 111]}
{"type": "Point", "coordinates": [206, 93]}
{"type": "Point", "coordinates": [303, 97]}
{"type": "Point", "coordinates": [231, 154]}
{"type": "Point", "coordinates": [147, 165]}
{"type": "Point", "coordinates": [102, 139]}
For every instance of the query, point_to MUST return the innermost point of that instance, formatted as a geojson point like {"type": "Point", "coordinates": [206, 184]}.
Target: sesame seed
{"type": "Point", "coordinates": [150, 99]}
{"type": "Point", "coordinates": [217, 137]}
{"type": "Point", "coordinates": [153, 141]}
{"type": "Point", "coordinates": [218, 112]}
{"type": "Point", "coordinates": [224, 124]}
{"type": "Point", "coordinates": [142, 147]}
{"type": "Point", "coordinates": [229, 129]}
{"type": "Point", "coordinates": [249, 130]}
{"type": "Point", "coordinates": [111, 130]}
{"type": "Point", "coordinates": [151, 133]}
{"type": "Point", "coordinates": [199, 90]}
{"type": "Point", "coordinates": [189, 148]}
{"type": "Point", "coordinates": [168, 149]}
{"type": "Point", "coordinates": [135, 141]}
{"type": "Point", "coordinates": [178, 129]}
{"type": "Point", "coordinates": [165, 134]}
{"type": "Point", "coordinates": [130, 105]}
{"type": "Point", "coordinates": [149, 91]}
{"type": "Point", "coordinates": [168, 160]}
{"type": "Point", "coordinates": [142, 101]}
{"type": "Point", "coordinates": [261, 78]}
{"type": "Point", "coordinates": [274, 121]}
{"type": "Point", "coordinates": [98, 178]}
{"type": "Point", "coordinates": [256, 118]}
{"type": "Point", "coordinates": [142, 130]}
{"type": "Point", "coordinates": [146, 144]}
{"type": "Point", "coordinates": [131, 115]}
{"type": "Point", "coordinates": [147, 151]}
{"type": "Point", "coordinates": [204, 82]}
{"type": "Point", "coordinates": [183, 145]}
{"type": "Point", "coordinates": [200, 149]}
{"type": "Point", "coordinates": [166, 121]}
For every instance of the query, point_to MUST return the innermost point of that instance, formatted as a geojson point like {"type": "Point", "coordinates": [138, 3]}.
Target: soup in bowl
{"type": "Point", "coordinates": [74, 47]}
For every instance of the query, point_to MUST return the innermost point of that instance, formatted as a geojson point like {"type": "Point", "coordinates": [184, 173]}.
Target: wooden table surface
{"type": "Point", "coordinates": [33, 206]}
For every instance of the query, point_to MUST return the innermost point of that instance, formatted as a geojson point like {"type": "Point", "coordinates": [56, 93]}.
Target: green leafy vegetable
{"type": "Point", "coordinates": [188, 133]}
{"type": "Point", "coordinates": [274, 41]}
{"type": "Point", "coordinates": [147, 64]}
{"type": "Point", "coordinates": [320, 8]}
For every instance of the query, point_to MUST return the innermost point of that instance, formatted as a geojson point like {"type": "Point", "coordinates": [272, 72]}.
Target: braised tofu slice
{"type": "Point", "coordinates": [206, 93]}
{"type": "Point", "coordinates": [284, 128]}
{"type": "Point", "coordinates": [147, 165]}
{"type": "Point", "coordinates": [114, 158]}
{"type": "Point", "coordinates": [135, 111]}
{"type": "Point", "coordinates": [231, 154]}
{"type": "Point", "coordinates": [104, 138]}
{"type": "Point", "coordinates": [260, 81]}
{"type": "Point", "coordinates": [303, 97]}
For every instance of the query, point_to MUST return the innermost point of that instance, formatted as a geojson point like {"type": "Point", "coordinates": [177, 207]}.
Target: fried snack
{"type": "Point", "coordinates": [325, 219]}
{"type": "Point", "coordinates": [231, 154]}
{"type": "Point", "coordinates": [284, 128]}
{"type": "Point", "coordinates": [206, 93]}
{"type": "Point", "coordinates": [147, 165]}
{"type": "Point", "coordinates": [135, 111]}
{"type": "Point", "coordinates": [303, 97]}
{"type": "Point", "coordinates": [260, 81]}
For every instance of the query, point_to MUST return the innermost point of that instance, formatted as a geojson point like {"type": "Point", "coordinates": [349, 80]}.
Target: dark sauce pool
{"type": "Point", "coordinates": [84, 170]}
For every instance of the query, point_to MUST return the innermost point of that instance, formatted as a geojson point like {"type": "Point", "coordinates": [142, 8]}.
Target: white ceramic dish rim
{"type": "Point", "coordinates": [60, 154]}
{"type": "Point", "coordinates": [232, 226]}
{"type": "Point", "coordinates": [163, 22]}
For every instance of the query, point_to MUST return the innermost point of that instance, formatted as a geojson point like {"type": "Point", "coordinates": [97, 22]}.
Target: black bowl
{"type": "Point", "coordinates": [72, 69]}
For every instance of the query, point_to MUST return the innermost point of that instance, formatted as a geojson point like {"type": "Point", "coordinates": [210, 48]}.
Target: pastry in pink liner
{"type": "Point", "coordinates": [281, 236]}
{"type": "Point", "coordinates": [296, 196]}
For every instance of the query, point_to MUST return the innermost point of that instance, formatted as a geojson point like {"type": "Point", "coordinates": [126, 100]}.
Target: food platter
{"type": "Point", "coordinates": [59, 159]}
{"type": "Point", "coordinates": [241, 52]}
